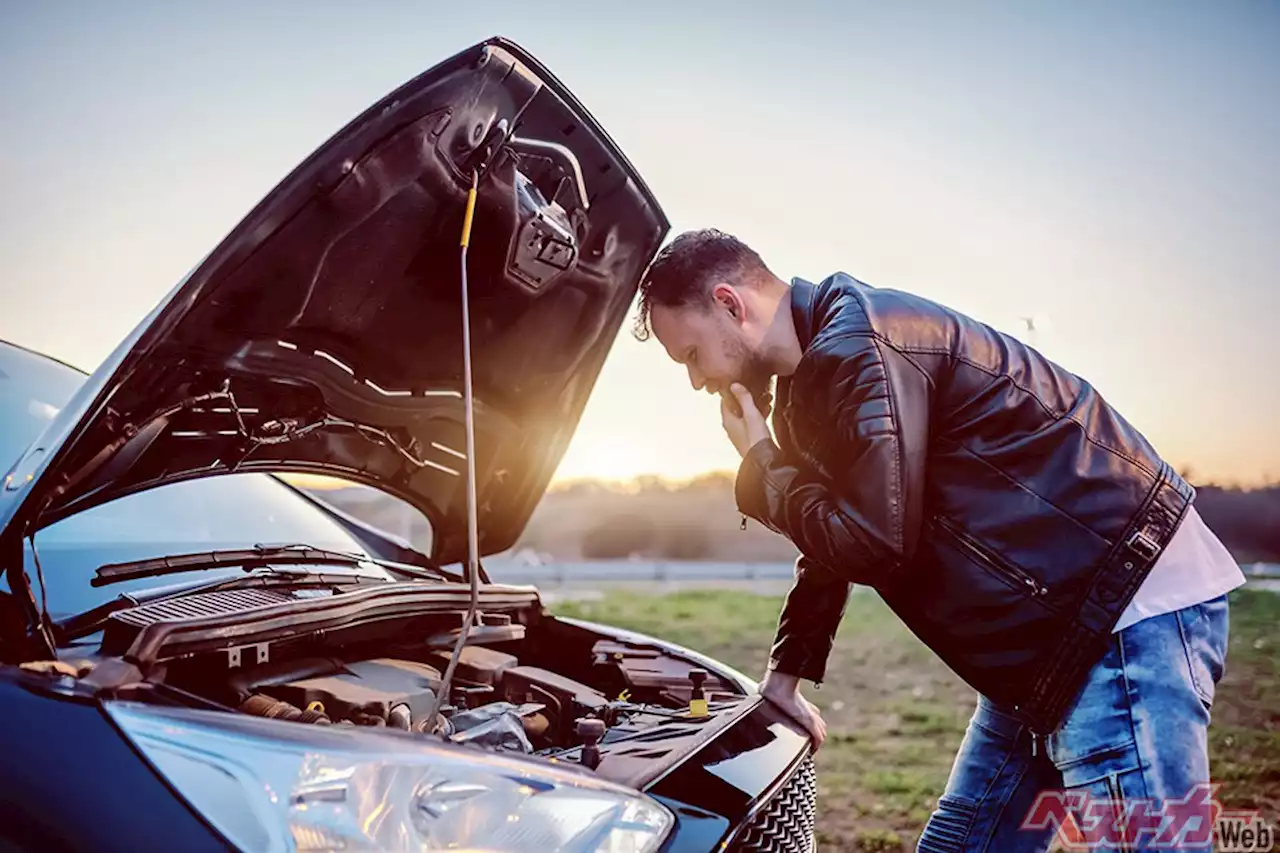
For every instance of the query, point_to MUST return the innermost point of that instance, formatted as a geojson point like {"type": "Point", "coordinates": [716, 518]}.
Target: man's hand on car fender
{"type": "Point", "coordinates": [744, 429]}
{"type": "Point", "coordinates": [784, 691]}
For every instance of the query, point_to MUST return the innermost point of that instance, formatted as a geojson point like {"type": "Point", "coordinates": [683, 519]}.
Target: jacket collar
{"type": "Point", "coordinates": [803, 295]}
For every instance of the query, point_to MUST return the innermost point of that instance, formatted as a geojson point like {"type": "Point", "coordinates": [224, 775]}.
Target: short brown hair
{"type": "Point", "coordinates": [683, 272]}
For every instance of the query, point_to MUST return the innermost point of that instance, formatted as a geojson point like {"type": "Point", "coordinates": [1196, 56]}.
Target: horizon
{"type": "Point", "coordinates": [1109, 171]}
{"type": "Point", "coordinates": [637, 483]}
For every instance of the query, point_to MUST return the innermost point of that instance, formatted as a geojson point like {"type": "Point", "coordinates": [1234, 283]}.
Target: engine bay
{"type": "Point", "coordinates": [524, 681]}
{"type": "Point", "coordinates": [517, 706]}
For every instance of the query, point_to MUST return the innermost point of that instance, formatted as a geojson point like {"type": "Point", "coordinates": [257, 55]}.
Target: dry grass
{"type": "Point", "coordinates": [896, 715]}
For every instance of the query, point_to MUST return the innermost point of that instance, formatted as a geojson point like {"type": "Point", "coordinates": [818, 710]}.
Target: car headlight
{"type": "Point", "coordinates": [269, 785]}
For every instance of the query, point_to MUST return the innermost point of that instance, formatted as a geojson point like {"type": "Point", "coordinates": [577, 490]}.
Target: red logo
{"type": "Point", "coordinates": [1087, 823]}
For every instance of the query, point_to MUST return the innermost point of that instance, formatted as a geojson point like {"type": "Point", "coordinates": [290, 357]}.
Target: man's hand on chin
{"type": "Point", "coordinates": [784, 691]}
{"type": "Point", "coordinates": [742, 419]}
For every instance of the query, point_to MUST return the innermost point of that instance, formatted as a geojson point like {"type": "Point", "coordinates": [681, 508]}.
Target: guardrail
{"type": "Point", "coordinates": [1265, 574]}
{"type": "Point", "coordinates": [562, 572]}
{"type": "Point", "coordinates": [584, 571]}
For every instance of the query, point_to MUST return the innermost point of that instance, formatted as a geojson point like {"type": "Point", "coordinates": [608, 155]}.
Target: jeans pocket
{"type": "Point", "coordinates": [1081, 769]}
{"type": "Point", "coordinates": [1203, 630]}
{"type": "Point", "coordinates": [1101, 788]}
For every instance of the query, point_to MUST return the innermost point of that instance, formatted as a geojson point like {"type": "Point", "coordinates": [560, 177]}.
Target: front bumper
{"type": "Point", "coordinates": [785, 822]}
{"type": "Point", "coordinates": [750, 787]}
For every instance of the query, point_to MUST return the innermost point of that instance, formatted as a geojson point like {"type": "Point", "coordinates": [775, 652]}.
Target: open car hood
{"type": "Point", "coordinates": [324, 334]}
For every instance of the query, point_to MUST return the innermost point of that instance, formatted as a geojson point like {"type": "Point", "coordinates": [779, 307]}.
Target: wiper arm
{"type": "Point", "coordinates": [248, 559]}
{"type": "Point", "coordinates": [82, 624]}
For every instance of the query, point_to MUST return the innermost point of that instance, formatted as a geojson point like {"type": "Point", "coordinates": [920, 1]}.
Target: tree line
{"type": "Point", "coordinates": [657, 520]}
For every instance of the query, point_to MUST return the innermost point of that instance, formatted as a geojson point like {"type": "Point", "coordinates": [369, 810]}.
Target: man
{"type": "Point", "coordinates": [1019, 526]}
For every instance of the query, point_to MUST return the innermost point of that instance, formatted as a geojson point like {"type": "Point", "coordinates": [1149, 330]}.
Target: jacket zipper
{"type": "Point", "coordinates": [982, 555]}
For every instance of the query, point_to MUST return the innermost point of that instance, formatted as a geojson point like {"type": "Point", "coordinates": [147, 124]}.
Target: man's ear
{"type": "Point", "coordinates": [727, 298]}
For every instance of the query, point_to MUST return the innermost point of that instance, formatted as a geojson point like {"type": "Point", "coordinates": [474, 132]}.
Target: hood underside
{"type": "Point", "coordinates": [324, 334]}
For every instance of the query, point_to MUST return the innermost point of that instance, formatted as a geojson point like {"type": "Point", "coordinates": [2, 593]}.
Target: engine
{"type": "Point", "coordinates": [524, 681]}
{"type": "Point", "coordinates": [326, 690]}
{"type": "Point", "coordinates": [494, 699]}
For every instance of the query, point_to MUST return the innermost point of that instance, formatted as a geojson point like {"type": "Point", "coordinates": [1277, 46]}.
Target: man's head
{"type": "Point", "coordinates": [710, 301]}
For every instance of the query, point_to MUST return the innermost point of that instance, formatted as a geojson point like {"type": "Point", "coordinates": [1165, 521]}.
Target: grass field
{"type": "Point", "coordinates": [896, 715]}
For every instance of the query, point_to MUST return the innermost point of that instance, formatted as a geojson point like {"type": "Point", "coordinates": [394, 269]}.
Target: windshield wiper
{"type": "Point", "coordinates": [251, 558]}
{"type": "Point", "coordinates": [90, 621]}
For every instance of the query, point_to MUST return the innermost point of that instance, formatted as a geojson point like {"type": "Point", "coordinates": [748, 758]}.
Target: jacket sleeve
{"type": "Point", "coordinates": [859, 524]}
{"type": "Point", "coordinates": [860, 516]}
{"type": "Point", "coordinates": [807, 626]}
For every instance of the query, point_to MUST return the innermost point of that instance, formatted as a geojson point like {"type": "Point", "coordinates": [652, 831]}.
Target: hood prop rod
{"type": "Point", "coordinates": [473, 543]}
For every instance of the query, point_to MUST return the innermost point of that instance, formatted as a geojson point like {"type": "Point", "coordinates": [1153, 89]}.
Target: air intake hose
{"type": "Point", "coordinates": [264, 706]}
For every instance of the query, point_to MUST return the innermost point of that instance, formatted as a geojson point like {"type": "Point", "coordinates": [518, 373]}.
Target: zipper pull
{"type": "Point", "coordinates": [1035, 740]}
{"type": "Point", "coordinates": [1036, 588]}
{"type": "Point", "coordinates": [743, 525]}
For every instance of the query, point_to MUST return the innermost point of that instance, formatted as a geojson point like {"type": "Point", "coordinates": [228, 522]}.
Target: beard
{"type": "Point", "coordinates": [757, 377]}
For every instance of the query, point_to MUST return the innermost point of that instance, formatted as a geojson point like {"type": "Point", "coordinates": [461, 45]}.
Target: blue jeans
{"type": "Point", "coordinates": [1133, 747]}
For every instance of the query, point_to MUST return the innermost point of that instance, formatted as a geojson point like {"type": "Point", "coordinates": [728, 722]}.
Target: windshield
{"type": "Point", "coordinates": [227, 511]}
{"type": "Point", "coordinates": [32, 390]}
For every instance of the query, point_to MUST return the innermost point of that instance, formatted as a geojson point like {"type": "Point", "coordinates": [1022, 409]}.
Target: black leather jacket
{"type": "Point", "coordinates": [995, 501]}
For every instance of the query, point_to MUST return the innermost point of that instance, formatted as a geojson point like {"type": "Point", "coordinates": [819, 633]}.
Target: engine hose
{"type": "Point", "coordinates": [264, 706]}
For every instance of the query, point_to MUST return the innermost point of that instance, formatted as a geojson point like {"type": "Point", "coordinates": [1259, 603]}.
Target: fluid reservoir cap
{"type": "Point", "coordinates": [589, 729]}
{"type": "Point", "coordinates": [697, 677]}
{"type": "Point", "coordinates": [697, 697]}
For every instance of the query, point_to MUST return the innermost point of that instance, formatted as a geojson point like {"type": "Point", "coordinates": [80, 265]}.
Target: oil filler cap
{"type": "Point", "coordinates": [697, 697]}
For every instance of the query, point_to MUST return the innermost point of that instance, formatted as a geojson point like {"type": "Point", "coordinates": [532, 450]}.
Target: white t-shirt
{"type": "Point", "coordinates": [1194, 567]}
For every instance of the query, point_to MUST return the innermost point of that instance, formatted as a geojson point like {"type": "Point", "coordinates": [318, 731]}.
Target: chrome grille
{"type": "Point", "coordinates": [786, 823]}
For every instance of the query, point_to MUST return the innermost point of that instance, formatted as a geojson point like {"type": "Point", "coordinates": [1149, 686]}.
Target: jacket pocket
{"type": "Point", "coordinates": [993, 562]}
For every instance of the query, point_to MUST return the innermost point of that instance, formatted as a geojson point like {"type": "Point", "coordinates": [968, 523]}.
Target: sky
{"type": "Point", "coordinates": [1109, 169]}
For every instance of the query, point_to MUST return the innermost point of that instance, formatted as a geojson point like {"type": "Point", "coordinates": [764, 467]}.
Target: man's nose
{"type": "Point", "coordinates": [696, 380]}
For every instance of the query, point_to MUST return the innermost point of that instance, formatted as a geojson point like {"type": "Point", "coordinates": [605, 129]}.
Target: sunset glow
{"type": "Point", "coordinates": [1063, 163]}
